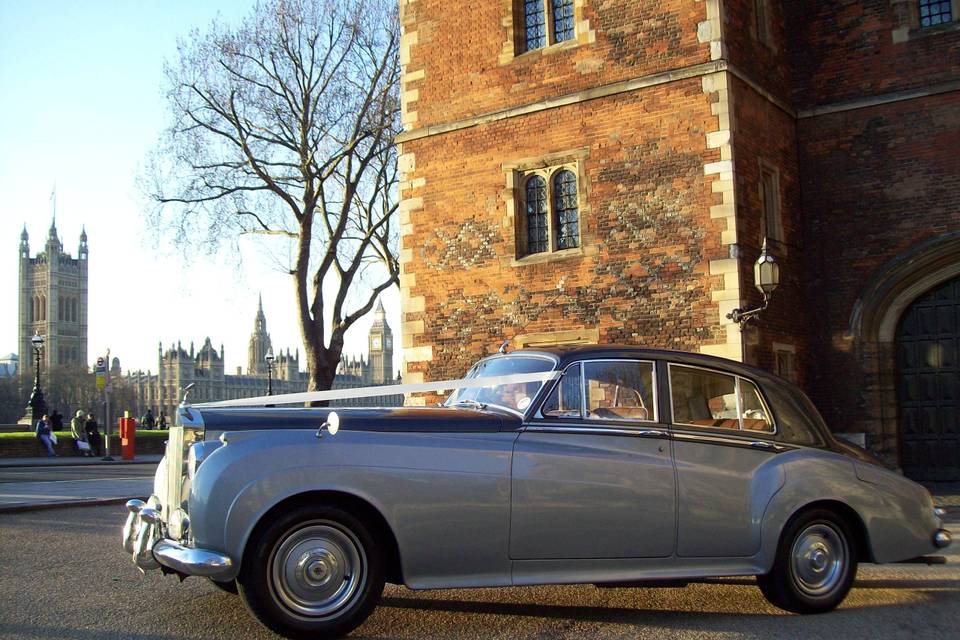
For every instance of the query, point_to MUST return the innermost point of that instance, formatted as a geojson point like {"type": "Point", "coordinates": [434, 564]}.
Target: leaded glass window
{"type": "Point", "coordinates": [565, 209]}
{"type": "Point", "coordinates": [535, 24]}
{"type": "Point", "coordinates": [562, 20]}
{"type": "Point", "coordinates": [934, 12]}
{"type": "Point", "coordinates": [537, 240]}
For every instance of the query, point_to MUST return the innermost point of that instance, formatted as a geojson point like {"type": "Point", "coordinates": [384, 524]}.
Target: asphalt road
{"type": "Point", "coordinates": [76, 472]}
{"type": "Point", "coordinates": [63, 575]}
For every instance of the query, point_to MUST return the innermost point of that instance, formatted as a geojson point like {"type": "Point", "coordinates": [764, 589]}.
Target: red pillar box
{"type": "Point", "coordinates": [128, 436]}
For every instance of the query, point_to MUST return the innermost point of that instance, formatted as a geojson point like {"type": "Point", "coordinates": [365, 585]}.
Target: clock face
{"type": "Point", "coordinates": [389, 343]}
{"type": "Point", "coordinates": [376, 343]}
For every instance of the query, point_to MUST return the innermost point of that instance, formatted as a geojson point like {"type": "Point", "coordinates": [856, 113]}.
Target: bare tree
{"type": "Point", "coordinates": [284, 126]}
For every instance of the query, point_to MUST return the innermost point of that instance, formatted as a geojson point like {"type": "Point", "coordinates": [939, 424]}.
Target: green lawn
{"type": "Point", "coordinates": [145, 433]}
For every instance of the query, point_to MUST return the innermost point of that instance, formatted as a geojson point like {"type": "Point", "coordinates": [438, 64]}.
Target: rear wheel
{"type": "Point", "coordinates": [314, 572]}
{"type": "Point", "coordinates": [815, 566]}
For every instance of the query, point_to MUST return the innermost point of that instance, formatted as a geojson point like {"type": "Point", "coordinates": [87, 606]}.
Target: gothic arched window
{"type": "Point", "coordinates": [536, 211]}
{"type": "Point", "coordinates": [566, 210]}
{"type": "Point", "coordinates": [61, 308]}
{"type": "Point", "coordinates": [43, 308]}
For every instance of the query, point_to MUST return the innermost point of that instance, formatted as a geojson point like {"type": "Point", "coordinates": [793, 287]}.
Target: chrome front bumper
{"type": "Point", "coordinates": [143, 539]}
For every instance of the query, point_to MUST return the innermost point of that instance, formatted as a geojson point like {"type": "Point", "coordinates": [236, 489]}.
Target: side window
{"type": "Point", "coordinates": [619, 391]}
{"type": "Point", "coordinates": [705, 398]}
{"type": "Point", "coordinates": [755, 416]}
{"type": "Point", "coordinates": [565, 401]}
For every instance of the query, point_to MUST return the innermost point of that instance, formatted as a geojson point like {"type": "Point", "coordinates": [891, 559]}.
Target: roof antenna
{"type": "Point", "coordinates": [503, 347]}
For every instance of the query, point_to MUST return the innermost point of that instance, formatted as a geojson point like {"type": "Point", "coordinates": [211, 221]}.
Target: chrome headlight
{"type": "Point", "coordinates": [198, 452]}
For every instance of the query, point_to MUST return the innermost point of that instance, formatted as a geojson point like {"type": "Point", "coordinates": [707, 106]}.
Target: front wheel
{"type": "Point", "coordinates": [314, 572]}
{"type": "Point", "coordinates": [815, 566]}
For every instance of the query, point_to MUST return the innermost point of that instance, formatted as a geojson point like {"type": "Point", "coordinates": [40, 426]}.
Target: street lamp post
{"type": "Point", "coordinates": [269, 359]}
{"type": "Point", "coordinates": [37, 404]}
{"type": "Point", "coordinates": [766, 277]}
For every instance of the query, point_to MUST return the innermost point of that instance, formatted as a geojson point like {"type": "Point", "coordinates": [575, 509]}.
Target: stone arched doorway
{"type": "Point", "coordinates": [886, 300]}
{"type": "Point", "coordinates": [928, 384]}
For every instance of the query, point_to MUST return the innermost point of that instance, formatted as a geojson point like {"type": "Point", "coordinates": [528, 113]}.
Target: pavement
{"type": "Point", "coordinates": [125, 479]}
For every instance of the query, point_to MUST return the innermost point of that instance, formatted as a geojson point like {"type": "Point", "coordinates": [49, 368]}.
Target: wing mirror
{"type": "Point", "coordinates": [331, 424]}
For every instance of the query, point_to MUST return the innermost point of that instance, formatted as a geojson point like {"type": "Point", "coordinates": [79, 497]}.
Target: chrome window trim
{"type": "Point", "coordinates": [583, 393]}
{"type": "Point", "coordinates": [737, 377]}
{"type": "Point", "coordinates": [727, 438]}
{"type": "Point", "coordinates": [601, 430]}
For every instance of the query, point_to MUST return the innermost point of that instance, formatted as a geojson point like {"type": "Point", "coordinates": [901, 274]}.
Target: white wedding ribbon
{"type": "Point", "coordinates": [387, 390]}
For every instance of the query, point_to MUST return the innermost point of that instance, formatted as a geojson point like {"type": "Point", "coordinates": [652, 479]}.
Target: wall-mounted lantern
{"type": "Point", "coordinates": [766, 277]}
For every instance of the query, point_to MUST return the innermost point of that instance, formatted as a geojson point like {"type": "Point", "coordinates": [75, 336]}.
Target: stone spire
{"type": "Point", "coordinates": [82, 252]}
{"type": "Point", "coordinates": [24, 243]}
{"type": "Point", "coordinates": [259, 343]}
{"type": "Point", "coordinates": [53, 241]}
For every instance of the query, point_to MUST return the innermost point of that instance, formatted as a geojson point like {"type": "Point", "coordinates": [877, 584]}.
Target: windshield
{"type": "Point", "coordinates": [516, 397]}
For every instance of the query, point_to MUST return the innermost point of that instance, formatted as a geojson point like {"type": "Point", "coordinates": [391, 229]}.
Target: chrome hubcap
{"type": "Point", "coordinates": [819, 559]}
{"type": "Point", "coordinates": [318, 569]}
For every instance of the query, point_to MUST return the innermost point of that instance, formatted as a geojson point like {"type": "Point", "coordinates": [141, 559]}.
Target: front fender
{"type": "Point", "coordinates": [422, 484]}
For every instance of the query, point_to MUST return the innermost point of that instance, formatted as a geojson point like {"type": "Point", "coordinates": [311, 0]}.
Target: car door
{"type": "Point", "coordinates": [592, 474]}
{"type": "Point", "coordinates": [723, 449]}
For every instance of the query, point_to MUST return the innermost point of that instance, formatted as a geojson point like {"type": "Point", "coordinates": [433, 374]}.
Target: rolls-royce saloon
{"type": "Point", "coordinates": [604, 465]}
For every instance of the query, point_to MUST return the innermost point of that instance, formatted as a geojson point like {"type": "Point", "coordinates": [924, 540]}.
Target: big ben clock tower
{"type": "Point", "coordinates": [381, 348]}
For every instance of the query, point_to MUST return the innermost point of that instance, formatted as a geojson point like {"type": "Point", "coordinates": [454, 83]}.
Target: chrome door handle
{"type": "Point", "coordinates": [760, 444]}
{"type": "Point", "coordinates": [651, 433]}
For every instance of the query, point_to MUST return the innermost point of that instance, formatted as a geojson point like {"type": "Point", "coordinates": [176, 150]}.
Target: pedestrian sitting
{"type": "Point", "coordinates": [93, 433]}
{"type": "Point", "coordinates": [45, 435]}
{"type": "Point", "coordinates": [79, 433]}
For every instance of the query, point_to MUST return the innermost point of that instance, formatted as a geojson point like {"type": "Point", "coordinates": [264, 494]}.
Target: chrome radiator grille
{"type": "Point", "coordinates": [176, 459]}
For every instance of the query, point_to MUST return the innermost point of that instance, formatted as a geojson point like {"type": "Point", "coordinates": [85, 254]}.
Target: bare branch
{"type": "Point", "coordinates": [283, 126]}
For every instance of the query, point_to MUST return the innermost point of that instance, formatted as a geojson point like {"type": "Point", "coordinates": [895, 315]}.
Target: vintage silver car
{"type": "Point", "coordinates": [606, 465]}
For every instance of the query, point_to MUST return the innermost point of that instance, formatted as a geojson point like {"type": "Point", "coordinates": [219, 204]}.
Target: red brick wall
{"type": "Point", "coordinates": [458, 51]}
{"type": "Point", "coordinates": [845, 50]}
{"type": "Point", "coordinates": [767, 64]}
{"type": "Point", "coordinates": [646, 231]}
{"type": "Point", "coordinates": [875, 182]}
{"type": "Point", "coordinates": [765, 132]}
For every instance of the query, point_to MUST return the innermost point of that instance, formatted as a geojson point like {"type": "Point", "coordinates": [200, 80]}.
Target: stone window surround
{"type": "Point", "coordinates": [546, 166]}
{"type": "Point", "coordinates": [790, 352]}
{"type": "Point", "coordinates": [767, 230]}
{"type": "Point", "coordinates": [906, 21]}
{"type": "Point", "coordinates": [765, 35]}
{"type": "Point", "coordinates": [514, 41]}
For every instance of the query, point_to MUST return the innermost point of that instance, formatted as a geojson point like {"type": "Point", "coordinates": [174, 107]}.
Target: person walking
{"type": "Point", "coordinates": [79, 433]}
{"type": "Point", "coordinates": [45, 435]}
{"type": "Point", "coordinates": [162, 421]}
{"type": "Point", "coordinates": [92, 430]}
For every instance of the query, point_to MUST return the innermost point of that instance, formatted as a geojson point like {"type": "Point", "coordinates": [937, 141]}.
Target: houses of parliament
{"type": "Point", "coordinates": [204, 368]}
{"type": "Point", "coordinates": [53, 291]}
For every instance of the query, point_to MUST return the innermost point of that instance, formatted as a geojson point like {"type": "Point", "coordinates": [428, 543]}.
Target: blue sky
{"type": "Point", "coordinates": [81, 107]}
